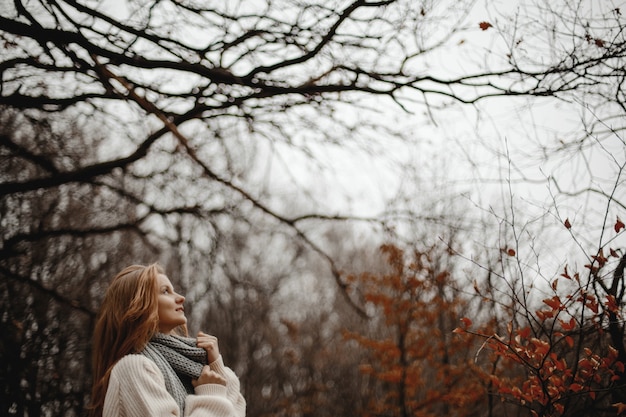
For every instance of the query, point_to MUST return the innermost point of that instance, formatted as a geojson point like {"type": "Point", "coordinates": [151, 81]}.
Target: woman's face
{"type": "Point", "coordinates": [170, 305]}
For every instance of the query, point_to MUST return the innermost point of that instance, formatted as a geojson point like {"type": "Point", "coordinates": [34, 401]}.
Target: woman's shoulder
{"type": "Point", "coordinates": [137, 389]}
{"type": "Point", "coordinates": [133, 365]}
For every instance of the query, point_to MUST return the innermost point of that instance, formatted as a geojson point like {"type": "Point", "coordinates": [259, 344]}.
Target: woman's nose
{"type": "Point", "coordinates": [180, 299]}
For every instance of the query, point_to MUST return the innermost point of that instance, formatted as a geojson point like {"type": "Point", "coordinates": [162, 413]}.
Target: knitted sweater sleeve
{"type": "Point", "coordinates": [233, 391]}
{"type": "Point", "coordinates": [137, 389]}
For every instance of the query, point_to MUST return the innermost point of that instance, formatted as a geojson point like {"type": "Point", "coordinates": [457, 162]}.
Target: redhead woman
{"type": "Point", "coordinates": [144, 363]}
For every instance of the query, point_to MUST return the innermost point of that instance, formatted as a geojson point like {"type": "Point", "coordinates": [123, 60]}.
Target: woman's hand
{"type": "Point", "coordinates": [209, 343]}
{"type": "Point", "coordinates": [208, 377]}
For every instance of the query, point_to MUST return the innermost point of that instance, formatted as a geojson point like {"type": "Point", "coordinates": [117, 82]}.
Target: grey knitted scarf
{"type": "Point", "coordinates": [179, 360]}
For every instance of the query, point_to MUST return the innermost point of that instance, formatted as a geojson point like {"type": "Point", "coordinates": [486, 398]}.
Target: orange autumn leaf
{"type": "Point", "coordinates": [568, 325]}
{"type": "Point", "coordinates": [541, 347]}
{"type": "Point", "coordinates": [619, 225]}
{"type": "Point", "coordinates": [592, 305]}
{"type": "Point", "coordinates": [544, 314]}
{"type": "Point", "coordinates": [466, 322]}
{"type": "Point", "coordinates": [554, 302]}
{"type": "Point", "coordinates": [567, 224]}
{"type": "Point", "coordinates": [575, 387]}
{"type": "Point", "coordinates": [621, 408]}
{"type": "Point", "coordinates": [524, 332]}
{"type": "Point", "coordinates": [485, 25]}
{"type": "Point", "coordinates": [476, 287]}
{"type": "Point", "coordinates": [600, 258]}
{"type": "Point", "coordinates": [508, 251]}
{"type": "Point", "coordinates": [555, 284]}
{"type": "Point", "coordinates": [611, 303]}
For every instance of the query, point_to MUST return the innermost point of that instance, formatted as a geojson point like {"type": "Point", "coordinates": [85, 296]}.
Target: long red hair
{"type": "Point", "coordinates": [128, 318]}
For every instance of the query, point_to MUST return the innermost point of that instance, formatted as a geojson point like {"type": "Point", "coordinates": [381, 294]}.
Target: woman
{"type": "Point", "coordinates": [144, 365]}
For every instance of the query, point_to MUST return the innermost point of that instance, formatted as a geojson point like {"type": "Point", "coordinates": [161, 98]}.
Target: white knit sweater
{"type": "Point", "coordinates": [137, 389]}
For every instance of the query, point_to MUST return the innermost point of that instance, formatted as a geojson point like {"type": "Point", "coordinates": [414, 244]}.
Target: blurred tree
{"type": "Point", "coordinates": [280, 323]}
{"type": "Point", "coordinates": [417, 366]}
{"type": "Point", "coordinates": [58, 252]}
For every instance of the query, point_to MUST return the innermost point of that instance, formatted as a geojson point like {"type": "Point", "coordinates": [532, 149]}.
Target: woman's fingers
{"type": "Point", "coordinates": [208, 377]}
{"type": "Point", "coordinates": [209, 344]}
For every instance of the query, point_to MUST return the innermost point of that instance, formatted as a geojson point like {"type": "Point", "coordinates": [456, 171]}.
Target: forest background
{"type": "Point", "coordinates": [381, 208]}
